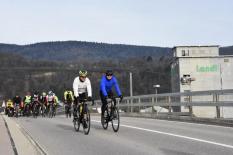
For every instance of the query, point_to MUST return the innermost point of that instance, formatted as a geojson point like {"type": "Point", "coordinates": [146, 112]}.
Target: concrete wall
{"type": "Point", "coordinates": [196, 51]}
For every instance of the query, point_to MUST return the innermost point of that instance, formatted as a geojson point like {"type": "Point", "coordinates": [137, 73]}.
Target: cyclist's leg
{"type": "Point", "coordinates": [69, 109]}
{"type": "Point", "coordinates": [111, 95]}
{"type": "Point", "coordinates": [54, 109]}
{"type": "Point", "coordinates": [75, 108]}
{"type": "Point", "coordinates": [104, 103]}
{"type": "Point", "coordinates": [82, 98]}
{"type": "Point", "coordinates": [114, 101]}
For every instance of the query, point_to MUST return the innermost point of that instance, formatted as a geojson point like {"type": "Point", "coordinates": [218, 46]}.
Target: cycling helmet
{"type": "Point", "coordinates": [36, 93]}
{"type": "Point", "coordinates": [109, 73]}
{"type": "Point", "coordinates": [50, 92]}
{"type": "Point", "coordinates": [44, 94]}
{"type": "Point", "coordinates": [83, 73]}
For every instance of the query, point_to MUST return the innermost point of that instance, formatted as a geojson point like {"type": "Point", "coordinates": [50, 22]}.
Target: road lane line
{"type": "Point", "coordinates": [194, 123]}
{"type": "Point", "coordinates": [174, 135]}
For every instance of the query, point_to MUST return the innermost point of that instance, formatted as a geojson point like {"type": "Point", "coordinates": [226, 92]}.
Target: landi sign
{"type": "Point", "coordinates": [209, 68]}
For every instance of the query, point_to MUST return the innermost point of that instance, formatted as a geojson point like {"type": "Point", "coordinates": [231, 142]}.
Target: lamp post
{"type": "Point", "coordinates": [156, 92]}
{"type": "Point", "coordinates": [131, 90]}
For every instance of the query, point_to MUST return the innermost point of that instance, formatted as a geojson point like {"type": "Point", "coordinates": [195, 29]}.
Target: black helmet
{"type": "Point", "coordinates": [109, 72]}
{"type": "Point", "coordinates": [36, 92]}
{"type": "Point", "coordinates": [83, 73]}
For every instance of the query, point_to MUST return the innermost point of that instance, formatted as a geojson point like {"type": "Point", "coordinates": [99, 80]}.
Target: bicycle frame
{"type": "Point", "coordinates": [83, 117]}
{"type": "Point", "coordinates": [111, 114]}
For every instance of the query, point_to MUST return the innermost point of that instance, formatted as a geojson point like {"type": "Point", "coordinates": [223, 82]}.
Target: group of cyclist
{"type": "Point", "coordinates": [32, 104]}
{"type": "Point", "coordinates": [82, 90]}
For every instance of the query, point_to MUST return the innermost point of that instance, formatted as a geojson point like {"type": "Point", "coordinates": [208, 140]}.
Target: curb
{"type": "Point", "coordinates": [37, 146]}
{"type": "Point", "coordinates": [11, 139]}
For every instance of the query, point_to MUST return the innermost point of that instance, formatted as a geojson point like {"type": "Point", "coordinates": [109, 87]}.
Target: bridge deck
{"type": "Point", "coordinates": [136, 136]}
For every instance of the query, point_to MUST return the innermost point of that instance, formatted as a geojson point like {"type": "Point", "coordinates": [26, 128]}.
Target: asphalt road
{"type": "Point", "coordinates": [137, 136]}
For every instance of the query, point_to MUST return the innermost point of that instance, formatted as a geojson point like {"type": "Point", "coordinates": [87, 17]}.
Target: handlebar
{"type": "Point", "coordinates": [115, 97]}
{"type": "Point", "coordinates": [85, 100]}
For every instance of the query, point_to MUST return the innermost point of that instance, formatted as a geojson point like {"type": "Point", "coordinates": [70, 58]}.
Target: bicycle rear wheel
{"type": "Point", "coordinates": [87, 123]}
{"type": "Point", "coordinates": [115, 120]}
{"type": "Point", "coordinates": [104, 119]}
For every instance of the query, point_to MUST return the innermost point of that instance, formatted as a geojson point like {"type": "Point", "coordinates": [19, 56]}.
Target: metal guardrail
{"type": "Point", "coordinates": [171, 100]}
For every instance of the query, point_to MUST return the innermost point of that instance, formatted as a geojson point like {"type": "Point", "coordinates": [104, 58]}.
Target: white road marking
{"type": "Point", "coordinates": [195, 123]}
{"type": "Point", "coordinates": [174, 135]}
{"type": "Point", "coordinates": [180, 122]}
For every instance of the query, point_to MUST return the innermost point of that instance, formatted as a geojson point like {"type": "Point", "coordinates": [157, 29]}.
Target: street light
{"type": "Point", "coordinates": [156, 88]}
{"type": "Point", "coordinates": [156, 92]}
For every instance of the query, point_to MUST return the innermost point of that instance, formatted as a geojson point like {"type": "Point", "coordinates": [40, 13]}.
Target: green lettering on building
{"type": "Point", "coordinates": [210, 68]}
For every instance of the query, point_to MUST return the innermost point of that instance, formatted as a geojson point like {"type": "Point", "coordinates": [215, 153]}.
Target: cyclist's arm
{"type": "Point", "coordinates": [102, 86]}
{"type": "Point", "coordinates": [65, 95]}
{"type": "Point", "coordinates": [117, 88]}
{"type": "Point", "coordinates": [89, 91]}
{"type": "Point", "coordinates": [72, 95]}
{"type": "Point", "coordinates": [75, 86]}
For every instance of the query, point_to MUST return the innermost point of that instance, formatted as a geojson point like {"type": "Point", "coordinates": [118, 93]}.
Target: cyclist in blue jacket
{"type": "Point", "coordinates": [106, 84]}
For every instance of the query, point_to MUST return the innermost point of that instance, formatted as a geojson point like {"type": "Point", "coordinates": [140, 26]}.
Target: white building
{"type": "Point", "coordinates": [208, 69]}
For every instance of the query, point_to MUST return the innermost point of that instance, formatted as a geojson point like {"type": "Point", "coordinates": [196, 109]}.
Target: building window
{"type": "Point", "coordinates": [226, 60]}
{"type": "Point", "coordinates": [185, 52]}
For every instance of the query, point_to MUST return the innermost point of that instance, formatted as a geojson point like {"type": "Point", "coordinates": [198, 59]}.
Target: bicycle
{"type": "Point", "coordinates": [51, 112]}
{"type": "Point", "coordinates": [43, 109]}
{"type": "Point", "coordinates": [68, 108]}
{"type": "Point", "coordinates": [83, 117]}
{"type": "Point", "coordinates": [27, 109]}
{"type": "Point", "coordinates": [111, 114]}
{"type": "Point", "coordinates": [35, 109]}
{"type": "Point", "coordinates": [17, 110]}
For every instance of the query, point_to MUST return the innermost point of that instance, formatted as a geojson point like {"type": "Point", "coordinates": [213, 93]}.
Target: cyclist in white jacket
{"type": "Point", "coordinates": [82, 90]}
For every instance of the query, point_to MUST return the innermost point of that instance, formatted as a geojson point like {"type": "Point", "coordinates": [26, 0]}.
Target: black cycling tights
{"type": "Point", "coordinates": [104, 100]}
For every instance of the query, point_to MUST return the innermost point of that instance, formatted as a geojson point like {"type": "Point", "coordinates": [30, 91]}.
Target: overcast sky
{"type": "Point", "coordinates": [138, 22]}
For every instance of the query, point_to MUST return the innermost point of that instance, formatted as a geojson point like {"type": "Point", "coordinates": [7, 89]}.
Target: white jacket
{"type": "Point", "coordinates": [82, 87]}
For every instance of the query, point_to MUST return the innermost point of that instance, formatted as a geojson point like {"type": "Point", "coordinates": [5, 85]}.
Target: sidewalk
{"type": "Point", "coordinates": [22, 143]}
{"type": "Point", "coordinates": [5, 143]}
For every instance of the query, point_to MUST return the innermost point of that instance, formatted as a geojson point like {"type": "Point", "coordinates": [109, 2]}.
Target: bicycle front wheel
{"type": "Point", "coordinates": [104, 119]}
{"type": "Point", "coordinates": [34, 111]}
{"type": "Point", "coordinates": [115, 120]}
{"type": "Point", "coordinates": [87, 123]}
{"type": "Point", "coordinates": [50, 111]}
{"type": "Point", "coordinates": [76, 123]}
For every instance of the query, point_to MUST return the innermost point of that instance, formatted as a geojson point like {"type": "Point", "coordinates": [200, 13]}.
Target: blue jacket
{"type": "Point", "coordinates": [106, 85]}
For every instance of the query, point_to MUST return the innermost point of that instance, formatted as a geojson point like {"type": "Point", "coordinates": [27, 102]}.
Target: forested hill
{"type": "Point", "coordinates": [76, 50]}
